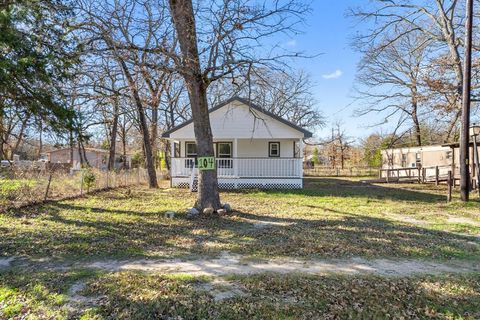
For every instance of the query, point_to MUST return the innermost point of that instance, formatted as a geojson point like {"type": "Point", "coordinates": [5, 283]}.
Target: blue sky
{"type": "Point", "coordinates": [329, 31]}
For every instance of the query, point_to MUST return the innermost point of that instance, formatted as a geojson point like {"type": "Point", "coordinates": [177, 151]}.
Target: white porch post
{"type": "Point", "coordinates": [172, 149]}
{"type": "Point", "coordinates": [172, 156]}
{"type": "Point", "coordinates": [235, 161]}
{"type": "Point", "coordinates": [300, 161]}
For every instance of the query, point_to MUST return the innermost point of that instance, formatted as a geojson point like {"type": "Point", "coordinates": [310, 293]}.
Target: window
{"type": "Point", "coordinates": [404, 160]}
{"type": "Point", "coordinates": [418, 160]}
{"type": "Point", "coordinates": [176, 150]}
{"type": "Point", "coordinates": [449, 155]}
{"type": "Point", "coordinates": [296, 149]}
{"type": "Point", "coordinates": [274, 149]}
{"type": "Point", "coordinates": [190, 152]}
{"type": "Point", "coordinates": [224, 150]}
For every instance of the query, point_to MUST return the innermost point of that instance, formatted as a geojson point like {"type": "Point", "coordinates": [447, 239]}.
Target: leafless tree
{"type": "Point", "coordinates": [13, 125]}
{"type": "Point", "coordinates": [337, 148]}
{"type": "Point", "coordinates": [126, 29]}
{"type": "Point", "coordinates": [440, 23]}
{"type": "Point", "coordinates": [390, 80]}
{"type": "Point", "coordinates": [109, 88]}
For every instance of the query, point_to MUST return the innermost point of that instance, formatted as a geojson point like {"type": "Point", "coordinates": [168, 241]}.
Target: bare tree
{"type": "Point", "coordinates": [126, 30]}
{"type": "Point", "coordinates": [337, 148]}
{"type": "Point", "coordinates": [109, 86]}
{"type": "Point", "coordinates": [441, 25]}
{"type": "Point", "coordinates": [390, 80]}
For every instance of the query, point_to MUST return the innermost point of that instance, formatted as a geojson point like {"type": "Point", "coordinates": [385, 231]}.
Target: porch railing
{"type": "Point", "coordinates": [244, 167]}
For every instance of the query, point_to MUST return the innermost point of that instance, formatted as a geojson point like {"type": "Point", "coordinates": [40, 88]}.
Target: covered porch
{"type": "Point", "coordinates": [243, 163]}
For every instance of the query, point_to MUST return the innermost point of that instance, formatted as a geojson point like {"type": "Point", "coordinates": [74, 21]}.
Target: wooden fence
{"type": "Point", "coordinates": [435, 174]}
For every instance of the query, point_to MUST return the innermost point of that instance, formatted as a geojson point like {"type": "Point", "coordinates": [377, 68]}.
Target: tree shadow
{"type": "Point", "coordinates": [135, 295]}
{"type": "Point", "coordinates": [337, 187]}
{"type": "Point", "coordinates": [355, 235]}
{"type": "Point", "coordinates": [88, 234]}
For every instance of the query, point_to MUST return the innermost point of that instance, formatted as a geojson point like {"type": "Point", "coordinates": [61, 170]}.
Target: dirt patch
{"type": "Point", "coordinates": [259, 224]}
{"type": "Point", "coordinates": [220, 289]}
{"type": "Point", "coordinates": [463, 220]}
{"type": "Point", "coordinates": [269, 224]}
{"type": "Point", "coordinates": [228, 264]}
{"type": "Point", "coordinates": [411, 220]}
{"type": "Point", "coordinates": [236, 264]}
{"type": "Point", "coordinates": [78, 303]}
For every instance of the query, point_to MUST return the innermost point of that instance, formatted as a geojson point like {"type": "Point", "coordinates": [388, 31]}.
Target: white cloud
{"type": "Point", "coordinates": [292, 43]}
{"type": "Point", "coordinates": [334, 75]}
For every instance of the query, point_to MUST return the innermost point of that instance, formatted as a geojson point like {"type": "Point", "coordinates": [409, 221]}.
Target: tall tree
{"type": "Point", "coordinates": [37, 54]}
{"type": "Point", "coordinates": [184, 21]}
{"type": "Point", "coordinates": [126, 31]}
{"type": "Point", "coordinates": [390, 80]}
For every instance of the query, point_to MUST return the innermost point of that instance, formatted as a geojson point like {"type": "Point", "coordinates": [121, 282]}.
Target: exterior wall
{"type": "Point", "coordinates": [429, 156]}
{"type": "Point", "coordinates": [236, 120]}
{"type": "Point", "coordinates": [61, 156]}
{"type": "Point", "coordinates": [259, 148]}
{"type": "Point", "coordinates": [97, 159]}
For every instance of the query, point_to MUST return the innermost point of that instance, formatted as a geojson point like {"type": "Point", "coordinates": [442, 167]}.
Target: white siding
{"type": "Point", "coordinates": [236, 120]}
{"type": "Point", "coordinates": [259, 148]}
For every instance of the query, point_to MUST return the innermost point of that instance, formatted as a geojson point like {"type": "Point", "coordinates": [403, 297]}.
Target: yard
{"type": "Point", "coordinates": [338, 248]}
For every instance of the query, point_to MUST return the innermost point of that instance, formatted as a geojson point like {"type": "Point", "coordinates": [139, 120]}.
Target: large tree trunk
{"type": "Point", "coordinates": [154, 134]}
{"type": "Point", "coordinates": [72, 145]}
{"type": "Point", "coordinates": [40, 139]}
{"type": "Point", "coordinates": [20, 135]}
{"type": "Point", "coordinates": [152, 175]}
{"type": "Point", "coordinates": [113, 137]}
{"type": "Point", "coordinates": [416, 125]}
{"type": "Point", "coordinates": [184, 21]}
{"type": "Point", "coordinates": [124, 145]}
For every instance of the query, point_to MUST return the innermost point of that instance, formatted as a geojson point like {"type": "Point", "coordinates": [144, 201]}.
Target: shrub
{"type": "Point", "coordinates": [88, 179]}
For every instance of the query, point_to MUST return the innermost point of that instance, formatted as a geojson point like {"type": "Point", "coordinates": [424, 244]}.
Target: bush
{"type": "Point", "coordinates": [88, 179]}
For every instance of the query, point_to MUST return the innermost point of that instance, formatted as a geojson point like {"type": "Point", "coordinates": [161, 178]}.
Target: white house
{"type": "Point", "coordinates": [253, 148]}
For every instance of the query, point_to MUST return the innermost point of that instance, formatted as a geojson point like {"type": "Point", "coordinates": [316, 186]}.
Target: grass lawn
{"type": "Point", "coordinates": [330, 218]}
{"type": "Point", "coordinates": [129, 295]}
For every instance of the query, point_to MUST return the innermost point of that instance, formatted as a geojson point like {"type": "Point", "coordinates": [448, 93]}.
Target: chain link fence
{"type": "Point", "coordinates": [23, 187]}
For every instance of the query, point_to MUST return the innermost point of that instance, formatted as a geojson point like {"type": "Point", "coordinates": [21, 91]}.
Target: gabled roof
{"type": "Point", "coordinates": [251, 105]}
